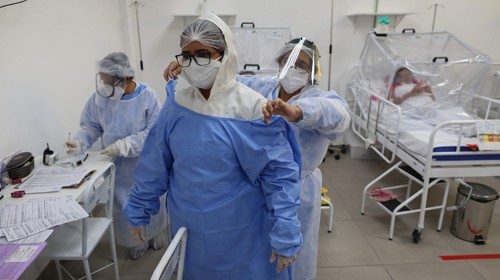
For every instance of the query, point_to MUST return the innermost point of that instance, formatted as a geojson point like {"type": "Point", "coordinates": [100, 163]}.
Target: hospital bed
{"type": "Point", "coordinates": [172, 262]}
{"type": "Point", "coordinates": [428, 154]}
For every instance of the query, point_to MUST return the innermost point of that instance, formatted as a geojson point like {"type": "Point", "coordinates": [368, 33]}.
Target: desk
{"type": "Point", "coordinates": [86, 195]}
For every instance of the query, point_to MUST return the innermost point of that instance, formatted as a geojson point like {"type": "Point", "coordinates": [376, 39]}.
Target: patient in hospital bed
{"type": "Point", "coordinates": [416, 98]}
{"type": "Point", "coordinates": [407, 91]}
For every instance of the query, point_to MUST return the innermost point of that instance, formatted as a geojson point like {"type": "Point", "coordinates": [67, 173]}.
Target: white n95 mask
{"type": "Point", "coordinates": [114, 91]}
{"type": "Point", "coordinates": [294, 80]}
{"type": "Point", "coordinates": [201, 76]}
{"type": "Point", "coordinates": [111, 92]}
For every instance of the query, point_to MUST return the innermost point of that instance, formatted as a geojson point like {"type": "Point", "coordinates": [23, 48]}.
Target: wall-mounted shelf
{"type": "Point", "coordinates": [196, 15]}
{"type": "Point", "coordinates": [394, 17]}
{"type": "Point", "coordinates": [228, 18]}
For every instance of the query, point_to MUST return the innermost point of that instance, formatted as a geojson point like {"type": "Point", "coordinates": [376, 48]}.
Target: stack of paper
{"type": "Point", "coordinates": [19, 221]}
{"type": "Point", "coordinates": [53, 179]}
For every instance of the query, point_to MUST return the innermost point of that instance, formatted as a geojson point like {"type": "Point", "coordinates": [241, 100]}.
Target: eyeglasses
{"type": "Point", "coordinates": [106, 78]}
{"type": "Point", "coordinates": [301, 67]}
{"type": "Point", "coordinates": [200, 58]}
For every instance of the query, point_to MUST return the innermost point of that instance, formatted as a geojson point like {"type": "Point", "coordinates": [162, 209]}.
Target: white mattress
{"type": "Point", "coordinates": [415, 134]}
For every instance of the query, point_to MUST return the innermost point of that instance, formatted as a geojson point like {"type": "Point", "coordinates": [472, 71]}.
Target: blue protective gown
{"type": "Point", "coordinates": [234, 184]}
{"type": "Point", "coordinates": [325, 117]}
{"type": "Point", "coordinates": [128, 119]}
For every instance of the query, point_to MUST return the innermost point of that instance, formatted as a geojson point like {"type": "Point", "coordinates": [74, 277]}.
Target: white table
{"type": "Point", "coordinates": [85, 195]}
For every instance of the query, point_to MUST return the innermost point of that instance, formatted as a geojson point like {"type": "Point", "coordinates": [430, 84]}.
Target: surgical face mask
{"type": "Point", "coordinates": [202, 76]}
{"type": "Point", "coordinates": [294, 80]}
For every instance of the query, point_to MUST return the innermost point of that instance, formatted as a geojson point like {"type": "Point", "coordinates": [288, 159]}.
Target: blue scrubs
{"type": "Point", "coordinates": [234, 184]}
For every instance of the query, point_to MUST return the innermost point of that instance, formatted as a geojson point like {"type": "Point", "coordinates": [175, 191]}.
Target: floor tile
{"type": "Point", "coordinates": [345, 246]}
{"type": "Point", "coordinates": [402, 249]}
{"type": "Point", "coordinates": [489, 269]}
{"type": "Point", "coordinates": [353, 273]}
{"type": "Point", "coordinates": [340, 211]}
{"type": "Point", "coordinates": [441, 271]}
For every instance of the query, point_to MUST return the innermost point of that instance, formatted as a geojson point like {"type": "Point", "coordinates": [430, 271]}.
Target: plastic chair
{"type": "Point", "coordinates": [172, 258]}
{"type": "Point", "coordinates": [77, 240]}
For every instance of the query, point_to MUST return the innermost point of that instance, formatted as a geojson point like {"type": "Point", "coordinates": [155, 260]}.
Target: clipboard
{"type": "Point", "coordinates": [85, 179]}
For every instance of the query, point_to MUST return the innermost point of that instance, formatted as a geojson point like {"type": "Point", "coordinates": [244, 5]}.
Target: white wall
{"type": "Point", "coordinates": [48, 48]}
{"type": "Point", "coordinates": [48, 54]}
{"type": "Point", "coordinates": [160, 29]}
{"type": "Point", "coordinates": [308, 18]}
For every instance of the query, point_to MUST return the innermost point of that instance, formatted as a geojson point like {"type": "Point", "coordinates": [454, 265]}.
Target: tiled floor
{"type": "Point", "coordinates": [358, 247]}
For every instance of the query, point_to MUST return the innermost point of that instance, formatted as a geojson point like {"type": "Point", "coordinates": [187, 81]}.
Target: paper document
{"type": "Point", "coordinates": [53, 179]}
{"type": "Point", "coordinates": [15, 258]}
{"type": "Point", "coordinates": [37, 238]}
{"type": "Point", "coordinates": [22, 254]}
{"type": "Point", "coordinates": [35, 210]}
{"type": "Point", "coordinates": [49, 212]}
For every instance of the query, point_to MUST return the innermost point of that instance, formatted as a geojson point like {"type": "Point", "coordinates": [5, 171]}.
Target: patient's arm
{"type": "Point", "coordinates": [400, 99]}
{"type": "Point", "coordinates": [420, 88]}
{"type": "Point", "coordinates": [428, 89]}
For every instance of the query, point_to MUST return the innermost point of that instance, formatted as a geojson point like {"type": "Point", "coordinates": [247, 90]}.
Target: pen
{"type": "Point", "coordinates": [1, 196]}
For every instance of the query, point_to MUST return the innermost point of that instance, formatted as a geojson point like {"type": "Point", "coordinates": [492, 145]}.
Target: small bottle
{"type": "Point", "coordinates": [46, 154]}
{"type": "Point", "coordinates": [382, 25]}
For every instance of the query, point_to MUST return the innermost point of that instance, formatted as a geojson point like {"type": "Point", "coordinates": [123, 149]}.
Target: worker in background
{"type": "Point", "coordinates": [233, 181]}
{"type": "Point", "coordinates": [121, 112]}
{"type": "Point", "coordinates": [318, 117]}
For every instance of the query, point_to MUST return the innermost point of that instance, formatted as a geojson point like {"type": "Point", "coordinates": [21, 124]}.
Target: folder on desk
{"type": "Point", "coordinates": [53, 179]}
{"type": "Point", "coordinates": [84, 179]}
{"type": "Point", "coordinates": [15, 258]}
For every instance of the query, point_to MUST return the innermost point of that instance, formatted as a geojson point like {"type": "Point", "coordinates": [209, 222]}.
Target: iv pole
{"type": "Point", "coordinates": [330, 51]}
{"type": "Point", "coordinates": [136, 5]}
{"type": "Point", "coordinates": [435, 6]}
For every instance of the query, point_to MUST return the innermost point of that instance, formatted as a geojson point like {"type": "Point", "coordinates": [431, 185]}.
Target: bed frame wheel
{"type": "Point", "coordinates": [343, 148]}
{"type": "Point", "coordinates": [416, 235]}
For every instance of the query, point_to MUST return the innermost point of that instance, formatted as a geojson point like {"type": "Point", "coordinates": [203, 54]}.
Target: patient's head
{"type": "Point", "coordinates": [403, 76]}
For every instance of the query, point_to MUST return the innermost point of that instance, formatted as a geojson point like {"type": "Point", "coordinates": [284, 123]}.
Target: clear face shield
{"type": "Point", "coordinates": [109, 86]}
{"type": "Point", "coordinates": [295, 73]}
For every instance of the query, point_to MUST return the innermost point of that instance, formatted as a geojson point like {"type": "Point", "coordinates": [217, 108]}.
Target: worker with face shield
{"type": "Point", "coordinates": [317, 116]}
{"type": "Point", "coordinates": [232, 180]}
{"type": "Point", "coordinates": [120, 113]}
